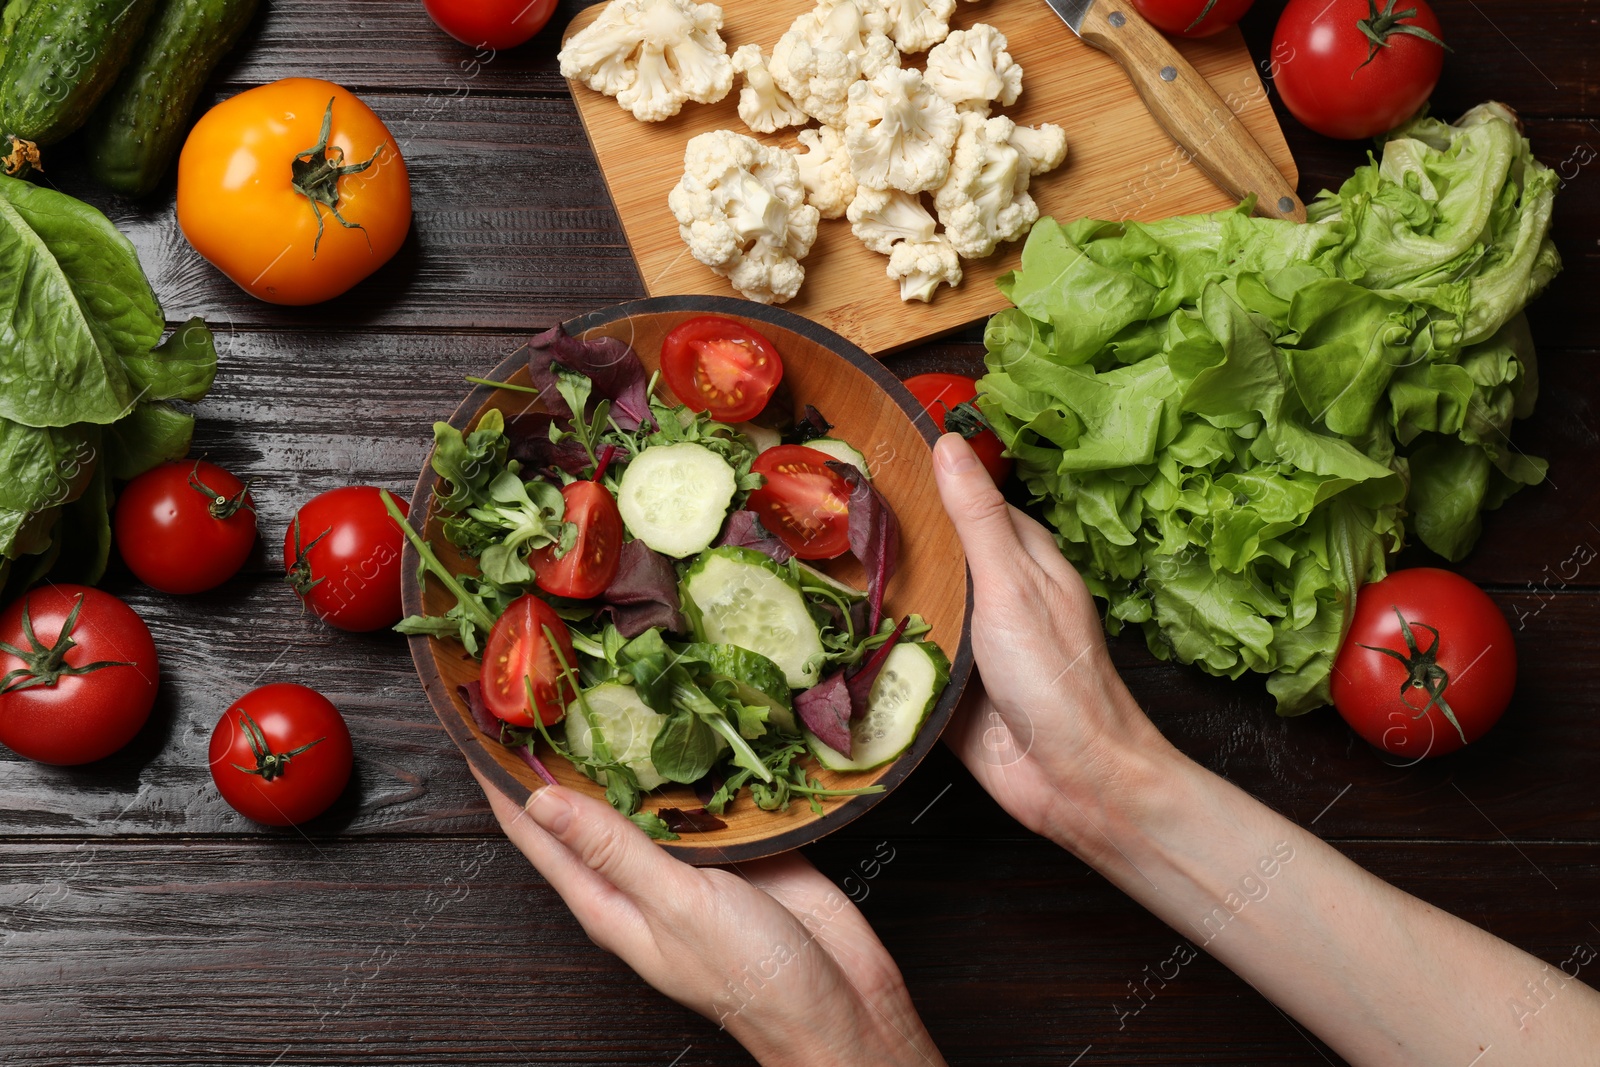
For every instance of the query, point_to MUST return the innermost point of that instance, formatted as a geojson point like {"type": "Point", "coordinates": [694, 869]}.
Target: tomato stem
{"type": "Point", "coordinates": [1379, 26]}
{"type": "Point", "coordinates": [269, 764]}
{"type": "Point", "coordinates": [46, 666]}
{"type": "Point", "coordinates": [1198, 19]}
{"type": "Point", "coordinates": [223, 507]}
{"type": "Point", "coordinates": [299, 576]}
{"type": "Point", "coordinates": [1422, 671]}
{"type": "Point", "coordinates": [316, 175]}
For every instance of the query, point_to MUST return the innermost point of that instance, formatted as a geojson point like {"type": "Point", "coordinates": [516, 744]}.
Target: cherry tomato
{"type": "Point", "coordinates": [1336, 81]}
{"type": "Point", "coordinates": [1428, 665]}
{"type": "Point", "coordinates": [939, 395]}
{"type": "Point", "coordinates": [519, 655]}
{"type": "Point", "coordinates": [185, 527]}
{"type": "Point", "coordinates": [255, 179]}
{"type": "Point", "coordinates": [1192, 18]}
{"type": "Point", "coordinates": [494, 24]}
{"type": "Point", "coordinates": [281, 754]}
{"type": "Point", "coordinates": [78, 675]}
{"type": "Point", "coordinates": [804, 503]}
{"type": "Point", "coordinates": [720, 366]}
{"type": "Point", "coordinates": [590, 564]}
{"type": "Point", "coordinates": [342, 555]}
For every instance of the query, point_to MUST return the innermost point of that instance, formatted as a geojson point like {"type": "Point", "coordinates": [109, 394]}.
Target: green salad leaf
{"type": "Point", "coordinates": [88, 392]}
{"type": "Point", "coordinates": [1230, 420]}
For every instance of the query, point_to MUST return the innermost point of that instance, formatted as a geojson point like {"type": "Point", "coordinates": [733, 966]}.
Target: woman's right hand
{"type": "Point", "coordinates": [1052, 728]}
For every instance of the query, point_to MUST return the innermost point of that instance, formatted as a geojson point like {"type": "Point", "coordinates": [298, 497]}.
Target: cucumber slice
{"type": "Point", "coordinates": [757, 680]}
{"type": "Point", "coordinates": [811, 578]}
{"type": "Point", "coordinates": [674, 498]}
{"type": "Point", "coordinates": [627, 723]}
{"type": "Point", "coordinates": [761, 438]}
{"type": "Point", "coordinates": [843, 451]}
{"type": "Point", "coordinates": [737, 596]}
{"type": "Point", "coordinates": [905, 692]}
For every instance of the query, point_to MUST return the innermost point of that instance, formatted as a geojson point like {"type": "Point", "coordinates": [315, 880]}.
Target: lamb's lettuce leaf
{"type": "Point", "coordinates": [1229, 420]}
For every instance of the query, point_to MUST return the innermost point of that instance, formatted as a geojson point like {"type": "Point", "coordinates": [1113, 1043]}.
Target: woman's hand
{"type": "Point", "coordinates": [774, 953]}
{"type": "Point", "coordinates": [1052, 731]}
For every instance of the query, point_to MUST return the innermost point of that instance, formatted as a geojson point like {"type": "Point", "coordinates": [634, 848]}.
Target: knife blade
{"type": "Point", "coordinates": [1183, 103]}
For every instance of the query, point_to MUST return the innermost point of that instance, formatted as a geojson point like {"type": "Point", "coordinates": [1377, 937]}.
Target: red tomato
{"type": "Point", "coordinates": [494, 24]}
{"type": "Point", "coordinates": [79, 675]}
{"type": "Point", "coordinates": [939, 395]}
{"type": "Point", "coordinates": [591, 563]}
{"type": "Point", "coordinates": [804, 503]}
{"type": "Point", "coordinates": [720, 366]}
{"type": "Point", "coordinates": [519, 654]}
{"type": "Point", "coordinates": [1320, 59]}
{"type": "Point", "coordinates": [281, 754]}
{"type": "Point", "coordinates": [1437, 688]}
{"type": "Point", "coordinates": [1192, 18]}
{"type": "Point", "coordinates": [342, 555]}
{"type": "Point", "coordinates": [185, 527]}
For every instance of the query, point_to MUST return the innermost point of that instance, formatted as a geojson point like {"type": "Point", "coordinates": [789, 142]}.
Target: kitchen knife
{"type": "Point", "coordinates": [1181, 100]}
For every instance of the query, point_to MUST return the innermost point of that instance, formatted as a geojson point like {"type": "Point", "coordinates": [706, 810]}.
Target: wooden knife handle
{"type": "Point", "coordinates": [1192, 112]}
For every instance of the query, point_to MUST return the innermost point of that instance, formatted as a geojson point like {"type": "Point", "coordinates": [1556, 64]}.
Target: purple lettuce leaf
{"type": "Point", "coordinates": [644, 592]}
{"type": "Point", "coordinates": [611, 364]}
{"type": "Point", "coordinates": [529, 435]}
{"type": "Point", "coordinates": [743, 529]}
{"type": "Point", "coordinates": [825, 709]}
{"type": "Point", "coordinates": [707, 786]}
{"type": "Point", "coordinates": [859, 682]}
{"type": "Point", "coordinates": [472, 695]}
{"type": "Point", "coordinates": [874, 536]}
{"type": "Point", "coordinates": [810, 426]}
{"type": "Point", "coordinates": [538, 767]}
{"type": "Point", "coordinates": [692, 821]}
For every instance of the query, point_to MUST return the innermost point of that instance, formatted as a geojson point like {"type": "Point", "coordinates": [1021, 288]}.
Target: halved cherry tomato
{"type": "Point", "coordinates": [519, 654]}
{"type": "Point", "coordinates": [803, 502]}
{"type": "Point", "coordinates": [940, 394]}
{"type": "Point", "coordinates": [591, 563]}
{"type": "Point", "coordinates": [720, 366]}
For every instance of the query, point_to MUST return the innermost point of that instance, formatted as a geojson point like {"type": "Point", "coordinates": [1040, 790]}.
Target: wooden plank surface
{"type": "Point", "coordinates": [1120, 164]}
{"type": "Point", "coordinates": [141, 923]}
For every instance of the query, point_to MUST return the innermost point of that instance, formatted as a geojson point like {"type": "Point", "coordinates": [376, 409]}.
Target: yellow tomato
{"type": "Point", "coordinates": [266, 177]}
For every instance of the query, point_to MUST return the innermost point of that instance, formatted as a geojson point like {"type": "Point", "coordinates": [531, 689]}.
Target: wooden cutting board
{"type": "Point", "coordinates": [1120, 164]}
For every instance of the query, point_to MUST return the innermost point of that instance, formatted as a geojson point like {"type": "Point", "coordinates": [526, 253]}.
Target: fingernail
{"type": "Point", "coordinates": [955, 455]}
{"type": "Point", "coordinates": [550, 810]}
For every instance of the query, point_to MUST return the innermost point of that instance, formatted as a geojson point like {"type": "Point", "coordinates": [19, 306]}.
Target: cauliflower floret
{"type": "Point", "coordinates": [829, 48]}
{"type": "Point", "coordinates": [921, 266]}
{"type": "Point", "coordinates": [1044, 147]}
{"type": "Point", "coordinates": [918, 25]}
{"type": "Point", "coordinates": [899, 132]}
{"type": "Point", "coordinates": [972, 69]}
{"type": "Point", "coordinates": [762, 105]}
{"type": "Point", "coordinates": [880, 217]}
{"type": "Point", "coordinates": [652, 55]}
{"type": "Point", "coordinates": [985, 200]}
{"type": "Point", "coordinates": [741, 209]}
{"type": "Point", "coordinates": [825, 171]}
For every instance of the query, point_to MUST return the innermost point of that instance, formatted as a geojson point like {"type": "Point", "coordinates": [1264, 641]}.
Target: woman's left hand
{"type": "Point", "coordinates": [771, 950]}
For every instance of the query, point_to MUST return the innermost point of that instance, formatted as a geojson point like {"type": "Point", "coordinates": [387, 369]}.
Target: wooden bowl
{"type": "Point", "coordinates": [869, 408]}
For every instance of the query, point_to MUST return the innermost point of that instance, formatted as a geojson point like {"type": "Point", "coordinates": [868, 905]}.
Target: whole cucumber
{"type": "Point", "coordinates": [139, 127]}
{"type": "Point", "coordinates": [60, 58]}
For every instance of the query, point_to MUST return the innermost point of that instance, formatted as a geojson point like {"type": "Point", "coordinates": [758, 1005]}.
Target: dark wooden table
{"type": "Point", "coordinates": [142, 921]}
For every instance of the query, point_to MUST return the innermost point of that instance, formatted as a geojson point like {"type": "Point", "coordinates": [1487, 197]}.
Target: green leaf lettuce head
{"type": "Point", "coordinates": [85, 389]}
{"type": "Point", "coordinates": [1230, 420]}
